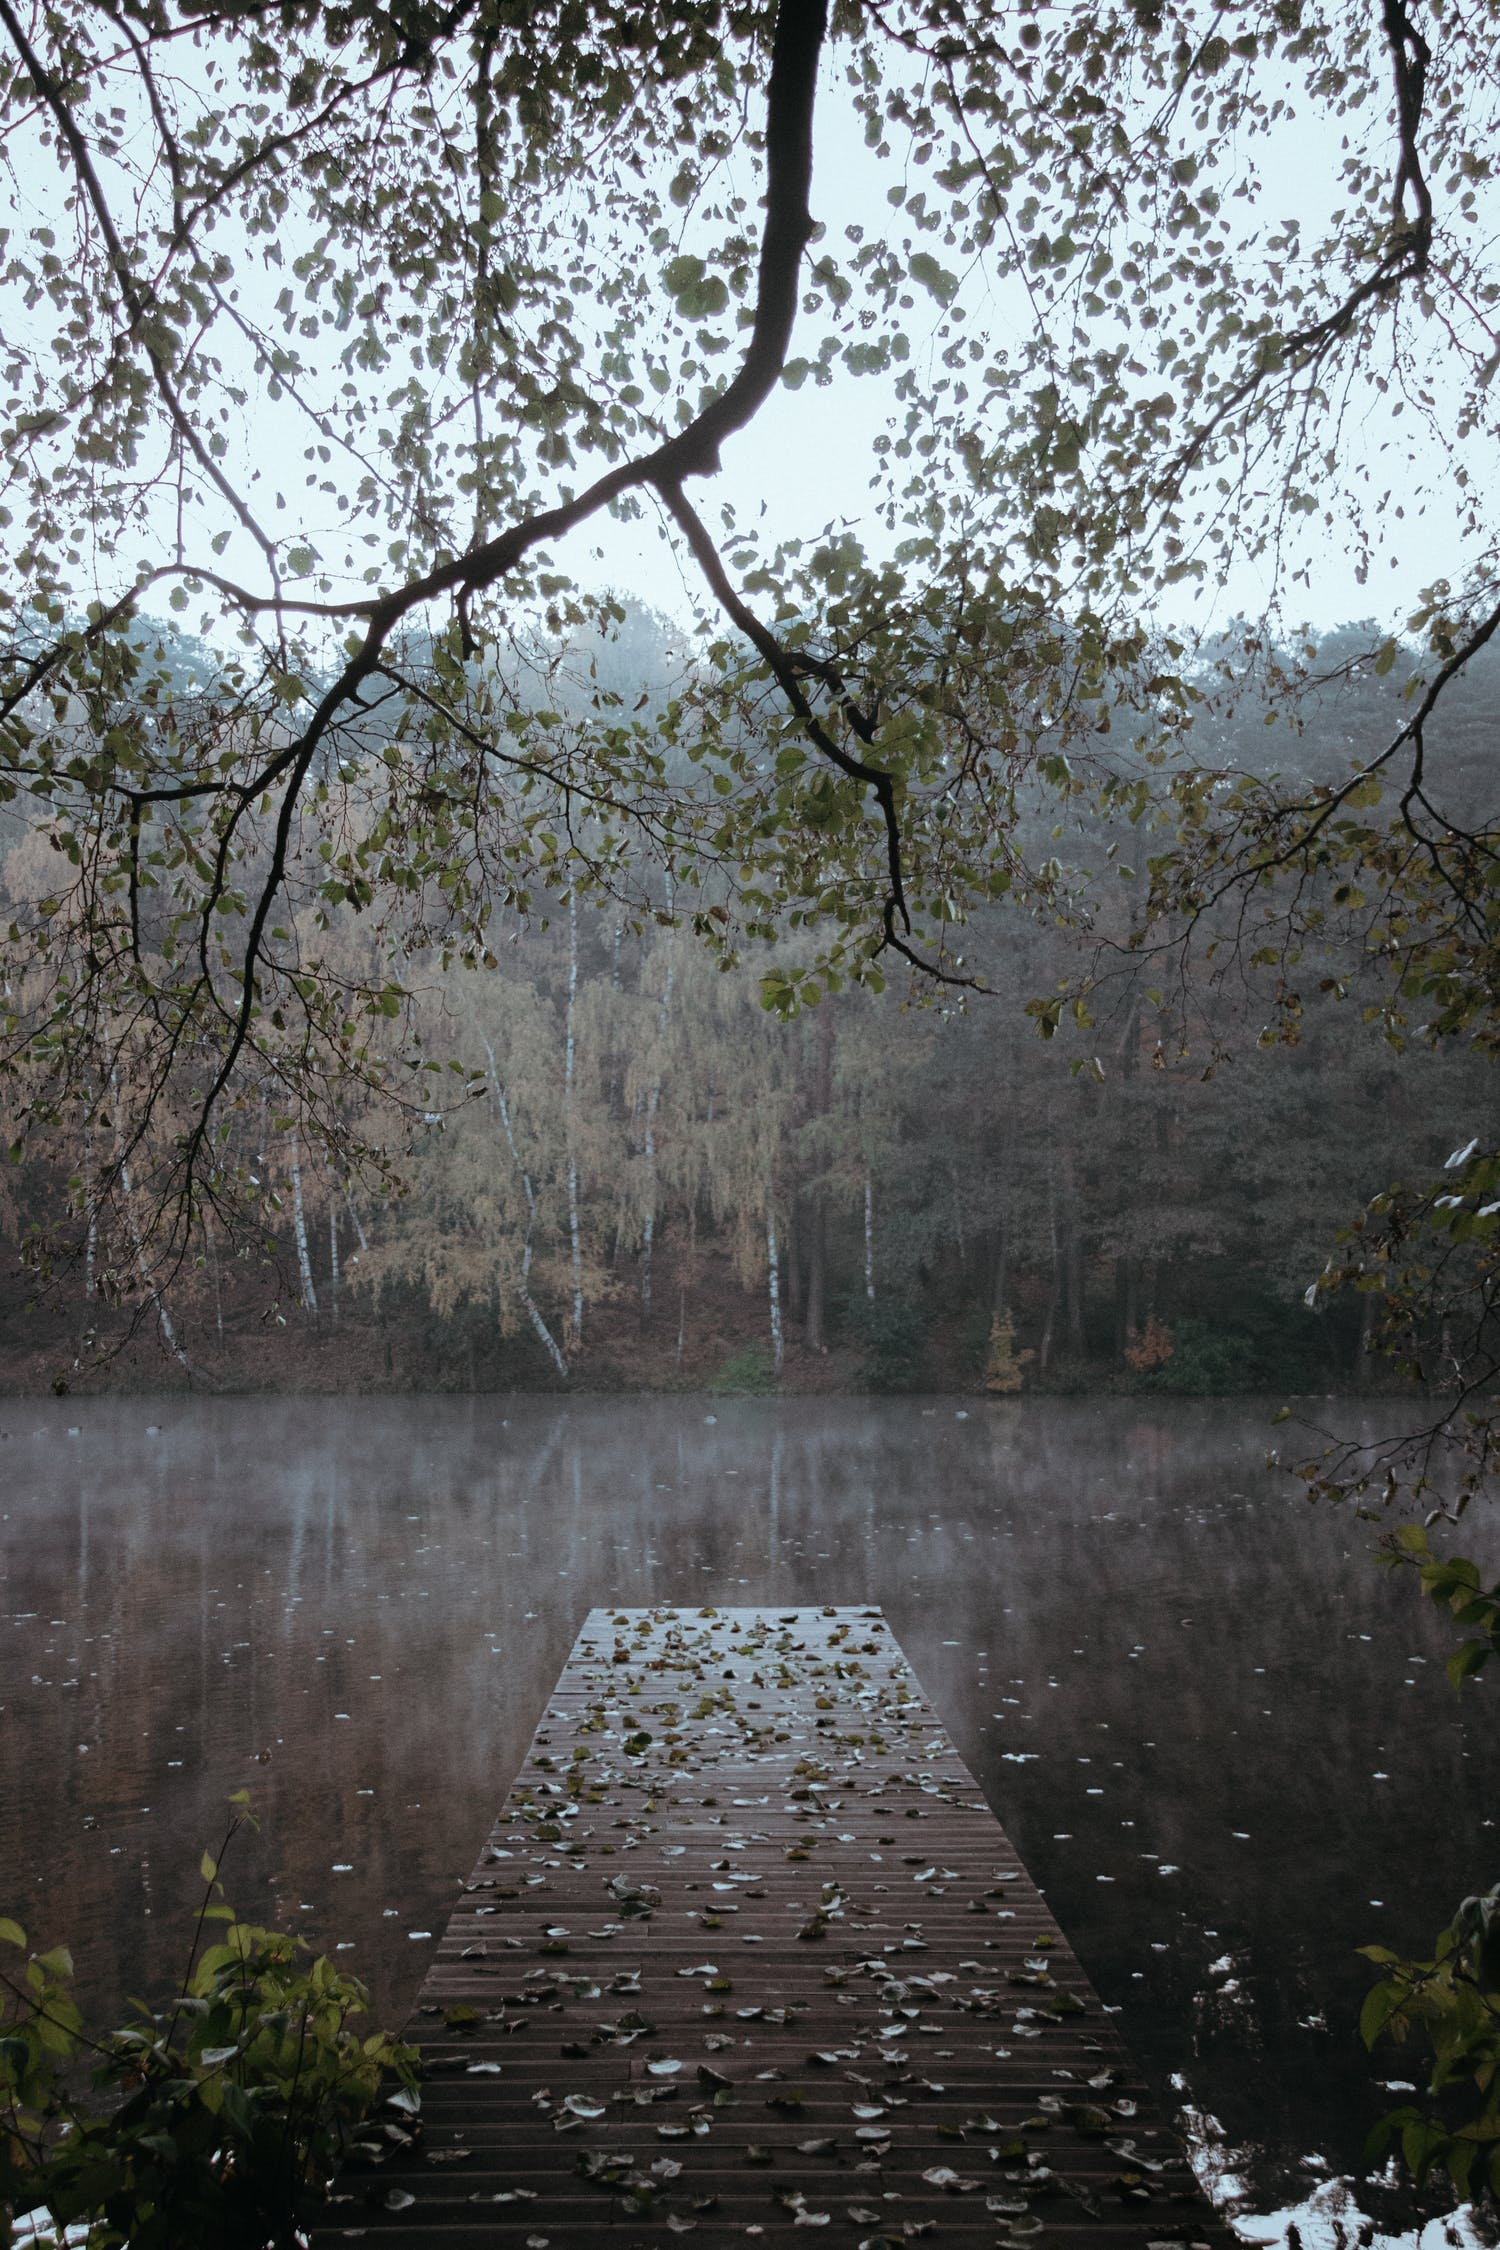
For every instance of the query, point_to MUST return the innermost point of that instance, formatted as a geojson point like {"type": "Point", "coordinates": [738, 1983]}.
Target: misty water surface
{"type": "Point", "coordinates": [1220, 1738]}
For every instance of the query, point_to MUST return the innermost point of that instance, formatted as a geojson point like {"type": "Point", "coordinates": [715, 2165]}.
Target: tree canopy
{"type": "Point", "coordinates": [326, 326]}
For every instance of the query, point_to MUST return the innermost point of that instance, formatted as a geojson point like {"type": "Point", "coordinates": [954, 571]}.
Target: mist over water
{"type": "Point", "coordinates": [1219, 1736]}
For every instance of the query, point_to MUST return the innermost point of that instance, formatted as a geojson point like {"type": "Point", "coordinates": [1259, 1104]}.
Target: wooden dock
{"type": "Point", "coordinates": [746, 1953]}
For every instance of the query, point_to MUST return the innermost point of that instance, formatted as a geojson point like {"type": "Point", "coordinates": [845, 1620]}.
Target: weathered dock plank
{"type": "Point", "coordinates": [747, 1952]}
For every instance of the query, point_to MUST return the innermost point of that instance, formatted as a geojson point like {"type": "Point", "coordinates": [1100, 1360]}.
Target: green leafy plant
{"type": "Point", "coordinates": [892, 1333]}
{"type": "Point", "coordinates": [745, 1374]}
{"type": "Point", "coordinates": [1455, 1999]}
{"type": "Point", "coordinates": [1454, 1582]}
{"type": "Point", "coordinates": [1455, 1996]}
{"type": "Point", "coordinates": [1201, 1362]}
{"type": "Point", "coordinates": [224, 2114]}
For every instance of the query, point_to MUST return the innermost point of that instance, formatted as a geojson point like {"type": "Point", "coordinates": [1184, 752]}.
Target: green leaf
{"type": "Point", "coordinates": [1381, 2003]}
{"type": "Point", "coordinates": [935, 279]}
{"type": "Point", "coordinates": [11, 1933]}
{"type": "Point", "coordinates": [1466, 1660]}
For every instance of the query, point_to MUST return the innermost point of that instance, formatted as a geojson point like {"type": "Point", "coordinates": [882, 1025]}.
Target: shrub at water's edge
{"type": "Point", "coordinates": [220, 2118]}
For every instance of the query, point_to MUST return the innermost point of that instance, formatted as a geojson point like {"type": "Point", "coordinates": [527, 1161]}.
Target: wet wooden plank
{"type": "Point", "coordinates": [747, 1954]}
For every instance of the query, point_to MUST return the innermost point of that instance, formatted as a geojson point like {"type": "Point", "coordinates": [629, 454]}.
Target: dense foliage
{"type": "Point", "coordinates": [328, 325]}
{"type": "Point", "coordinates": [640, 1174]}
{"type": "Point", "coordinates": [219, 2118]}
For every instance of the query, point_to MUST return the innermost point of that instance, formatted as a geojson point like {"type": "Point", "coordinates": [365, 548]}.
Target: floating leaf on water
{"type": "Point", "coordinates": [667, 2067]}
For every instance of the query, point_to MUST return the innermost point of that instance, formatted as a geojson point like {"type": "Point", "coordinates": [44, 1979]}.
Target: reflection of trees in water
{"type": "Point", "coordinates": [1179, 1632]}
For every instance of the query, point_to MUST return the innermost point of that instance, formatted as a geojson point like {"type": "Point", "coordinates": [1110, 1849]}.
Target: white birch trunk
{"type": "Point", "coordinates": [869, 1240]}
{"type": "Point", "coordinates": [773, 1284]}
{"type": "Point", "coordinates": [355, 1221]}
{"type": "Point", "coordinates": [648, 1231]}
{"type": "Point", "coordinates": [213, 1270]}
{"type": "Point", "coordinates": [648, 1222]}
{"type": "Point", "coordinates": [570, 1056]}
{"type": "Point", "coordinates": [333, 1261]}
{"type": "Point", "coordinates": [528, 1303]}
{"type": "Point", "coordinates": [299, 1231]}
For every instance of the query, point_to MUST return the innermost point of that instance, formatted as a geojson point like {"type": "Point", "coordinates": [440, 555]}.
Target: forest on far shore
{"type": "Point", "coordinates": [654, 1182]}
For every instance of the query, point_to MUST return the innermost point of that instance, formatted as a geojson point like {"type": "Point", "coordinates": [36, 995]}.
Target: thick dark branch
{"type": "Point", "coordinates": [1405, 258]}
{"type": "Point", "coordinates": [1412, 736]}
{"type": "Point", "coordinates": [785, 671]}
{"type": "Point", "coordinates": [800, 25]}
{"type": "Point", "coordinates": [790, 95]}
{"type": "Point", "coordinates": [1410, 56]}
{"type": "Point", "coordinates": [796, 46]}
{"type": "Point", "coordinates": [1414, 730]}
{"type": "Point", "coordinates": [788, 672]}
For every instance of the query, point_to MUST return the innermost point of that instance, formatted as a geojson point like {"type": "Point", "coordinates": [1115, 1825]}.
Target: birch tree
{"type": "Point", "coordinates": [327, 329]}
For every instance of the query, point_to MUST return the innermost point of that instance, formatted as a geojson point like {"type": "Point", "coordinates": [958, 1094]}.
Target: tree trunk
{"type": "Point", "coordinates": [1044, 1348]}
{"type": "Point", "coordinates": [869, 1240]}
{"type": "Point", "coordinates": [653, 1104]}
{"type": "Point", "coordinates": [1126, 1292]}
{"type": "Point", "coordinates": [773, 1283]}
{"type": "Point", "coordinates": [213, 1270]}
{"type": "Point", "coordinates": [299, 1230]}
{"type": "Point", "coordinates": [523, 1293]}
{"type": "Point", "coordinates": [1001, 1279]}
{"type": "Point", "coordinates": [648, 1219]}
{"type": "Point", "coordinates": [1072, 1259]}
{"type": "Point", "coordinates": [91, 1204]}
{"type": "Point", "coordinates": [817, 1202]}
{"type": "Point", "coordinates": [570, 1122]}
{"type": "Point", "coordinates": [817, 1246]}
{"type": "Point", "coordinates": [1365, 1349]}
{"type": "Point", "coordinates": [333, 1261]}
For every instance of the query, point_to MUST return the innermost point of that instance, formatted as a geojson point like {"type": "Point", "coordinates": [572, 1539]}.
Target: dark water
{"type": "Point", "coordinates": [1220, 1738]}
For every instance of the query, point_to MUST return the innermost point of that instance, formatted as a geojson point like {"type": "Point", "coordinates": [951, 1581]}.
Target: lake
{"type": "Point", "coordinates": [1219, 1736]}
